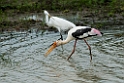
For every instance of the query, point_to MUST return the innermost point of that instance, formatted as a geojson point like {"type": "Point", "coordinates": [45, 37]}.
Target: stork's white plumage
{"type": "Point", "coordinates": [57, 22]}
{"type": "Point", "coordinates": [76, 33]}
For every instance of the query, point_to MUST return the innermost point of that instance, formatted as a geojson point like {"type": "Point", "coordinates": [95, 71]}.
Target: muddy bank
{"type": "Point", "coordinates": [21, 22]}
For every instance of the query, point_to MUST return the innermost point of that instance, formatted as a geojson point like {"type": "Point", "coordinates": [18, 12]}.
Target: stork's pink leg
{"type": "Point", "coordinates": [73, 49]}
{"type": "Point", "coordinates": [89, 50]}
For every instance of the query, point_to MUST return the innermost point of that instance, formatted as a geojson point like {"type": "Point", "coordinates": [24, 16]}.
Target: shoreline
{"type": "Point", "coordinates": [103, 21]}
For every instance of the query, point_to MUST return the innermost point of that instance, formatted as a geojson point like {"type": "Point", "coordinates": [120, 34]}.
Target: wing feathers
{"type": "Point", "coordinates": [81, 33]}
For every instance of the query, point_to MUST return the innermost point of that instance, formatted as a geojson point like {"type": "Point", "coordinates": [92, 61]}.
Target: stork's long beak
{"type": "Point", "coordinates": [54, 45]}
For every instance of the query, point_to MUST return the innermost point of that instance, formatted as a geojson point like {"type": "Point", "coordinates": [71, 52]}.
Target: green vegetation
{"type": "Point", "coordinates": [38, 5]}
{"type": "Point", "coordinates": [94, 7]}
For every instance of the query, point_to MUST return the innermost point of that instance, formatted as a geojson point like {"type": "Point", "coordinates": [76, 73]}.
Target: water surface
{"type": "Point", "coordinates": [22, 59]}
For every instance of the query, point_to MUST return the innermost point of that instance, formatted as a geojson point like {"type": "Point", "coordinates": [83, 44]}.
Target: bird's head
{"type": "Point", "coordinates": [46, 13]}
{"type": "Point", "coordinates": [53, 46]}
{"type": "Point", "coordinates": [96, 32]}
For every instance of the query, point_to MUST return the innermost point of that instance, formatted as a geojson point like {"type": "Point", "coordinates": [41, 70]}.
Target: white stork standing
{"type": "Point", "coordinates": [59, 23]}
{"type": "Point", "coordinates": [76, 33]}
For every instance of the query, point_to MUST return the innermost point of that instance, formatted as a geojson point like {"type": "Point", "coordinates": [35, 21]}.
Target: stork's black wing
{"type": "Point", "coordinates": [80, 32]}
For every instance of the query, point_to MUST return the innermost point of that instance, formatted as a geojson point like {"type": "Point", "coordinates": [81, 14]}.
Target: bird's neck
{"type": "Point", "coordinates": [46, 18]}
{"type": "Point", "coordinates": [65, 41]}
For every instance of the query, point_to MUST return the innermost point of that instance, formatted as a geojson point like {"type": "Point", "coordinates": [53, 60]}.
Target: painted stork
{"type": "Point", "coordinates": [59, 23]}
{"type": "Point", "coordinates": [76, 33]}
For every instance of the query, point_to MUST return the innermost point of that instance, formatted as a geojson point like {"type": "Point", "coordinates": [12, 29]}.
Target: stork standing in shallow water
{"type": "Point", "coordinates": [59, 23]}
{"type": "Point", "coordinates": [76, 33]}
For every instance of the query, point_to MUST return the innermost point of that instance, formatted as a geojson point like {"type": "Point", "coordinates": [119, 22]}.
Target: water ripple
{"type": "Point", "coordinates": [22, 60]}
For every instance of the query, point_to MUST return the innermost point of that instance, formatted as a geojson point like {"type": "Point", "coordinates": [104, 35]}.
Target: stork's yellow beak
{"type": "Point", "coordinates": [54, 45]}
